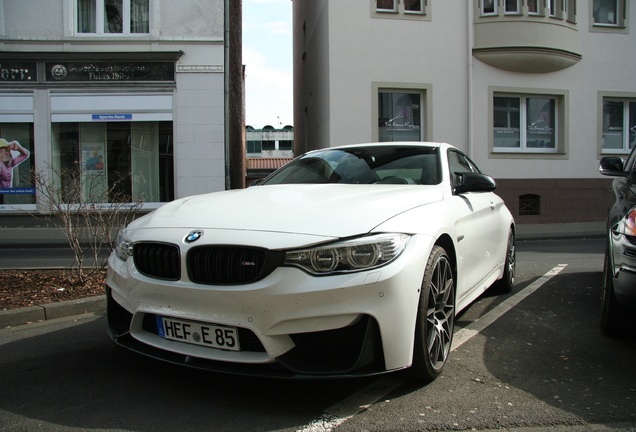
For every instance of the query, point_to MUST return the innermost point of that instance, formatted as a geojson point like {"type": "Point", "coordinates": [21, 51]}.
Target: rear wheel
{"type": "Point", "coordinates": [611, 321]}
{"type": "Point", "coordinates": [435, 318]}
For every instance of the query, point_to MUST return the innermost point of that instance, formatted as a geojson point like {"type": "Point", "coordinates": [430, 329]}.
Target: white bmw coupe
{"type": "Point", "coordinates": [347, 261]}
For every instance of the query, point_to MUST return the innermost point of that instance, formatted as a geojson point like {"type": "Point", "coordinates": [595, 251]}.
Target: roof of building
{"type": "Point", "coordinates": [266, 163]}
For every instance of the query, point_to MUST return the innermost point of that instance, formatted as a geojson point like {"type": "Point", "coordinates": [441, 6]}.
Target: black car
{"type": "Point", "coordinates": [619, 269]}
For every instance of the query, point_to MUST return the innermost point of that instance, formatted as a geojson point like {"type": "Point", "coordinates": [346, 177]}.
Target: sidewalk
{"type": "Point", "coordinates": [53, 237]}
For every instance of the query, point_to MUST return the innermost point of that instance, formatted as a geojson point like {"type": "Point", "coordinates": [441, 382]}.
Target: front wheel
{"type": "Point", "coordinates": [611, 321]}
{"type": "Point", "coordinates": [435, 317]}
{"type": "Point", "coordinates": [507, 281]}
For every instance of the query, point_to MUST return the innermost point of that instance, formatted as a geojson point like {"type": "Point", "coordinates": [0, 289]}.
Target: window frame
{"type": "Point", "coordinates": [399, 11]}
{"type": "Point", "coordinates": [422, 10]}
{"type": "Point", "coordinates": [383, 10]}
{"type": "Point", "coordinates": [622, 12]}
{"type": "Point", "coordinates": [540, 9]}
{"type": "Point", "coordinates": [482, 7]}
{"type": "Point", "coordinates": [518, 11]}
{"type": "Point", "coordinates": [425, 92]}
{"type": "Point", "coordinates": [100, 24]}
{"type": "Point", "coordinates": [627, 100]}
{"type": "Point", "coordinates": [561, 109]}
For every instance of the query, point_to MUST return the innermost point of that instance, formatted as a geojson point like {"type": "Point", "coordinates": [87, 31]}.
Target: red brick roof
{"type": "Point", "coordinates": [266, 163]}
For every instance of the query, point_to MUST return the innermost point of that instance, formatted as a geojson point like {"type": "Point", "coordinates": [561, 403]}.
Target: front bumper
{"type": "Point", "coordinates": [290, 324]}
{"type": "Point", "coordinates": [624, 270]}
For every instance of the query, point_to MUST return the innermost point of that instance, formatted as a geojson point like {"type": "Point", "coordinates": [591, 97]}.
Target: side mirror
{"type": "Point", "coordinates": [612, 166]}
{"type": "Point", "coordinates": [473, 182]}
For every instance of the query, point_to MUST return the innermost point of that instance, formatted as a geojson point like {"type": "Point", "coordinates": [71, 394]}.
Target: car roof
{"type": "Point", "coordinates": [390, 144]}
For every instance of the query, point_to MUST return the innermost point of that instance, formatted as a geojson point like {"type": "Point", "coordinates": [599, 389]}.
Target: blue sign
{"type": "Point", "coordinates": [112, 117]}
{"type": "Point", "coordinates": [22, 191]}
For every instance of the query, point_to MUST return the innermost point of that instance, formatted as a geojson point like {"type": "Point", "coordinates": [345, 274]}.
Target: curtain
{"type": "Point", "coordinates": [86, 16]}
{"type": "Point", "coordinates": [139, 16]}
{"type": "Point", "coordinates": [113, 16]}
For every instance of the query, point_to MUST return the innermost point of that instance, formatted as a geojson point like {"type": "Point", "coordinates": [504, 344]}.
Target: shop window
{"type": "Point", "coordinates": [111, 17]}
{"type": "Point", "coordinates": [114, 161]}
{"type": "Point", "coordinates": [619, 125]}
{"type": "Point", "coordinates": [17, 162]}
{"type": "Point", "coordinates": [400, 115]}
{"type": "Point", "coordinates": [525, 123]}
{"type": "Point", "coordinates": [609, 13]}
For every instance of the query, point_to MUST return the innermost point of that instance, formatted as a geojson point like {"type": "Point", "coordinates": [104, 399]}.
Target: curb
{"type": "Point", "coordinates": [49, 311]}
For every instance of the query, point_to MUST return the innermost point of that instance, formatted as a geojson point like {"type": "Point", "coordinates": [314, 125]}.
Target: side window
{"type": "Point", "coordinates": [631, 160]}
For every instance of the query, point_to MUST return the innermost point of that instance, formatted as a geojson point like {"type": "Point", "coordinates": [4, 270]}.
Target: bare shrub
{"type": "Point", "coordinates": [89, 208]}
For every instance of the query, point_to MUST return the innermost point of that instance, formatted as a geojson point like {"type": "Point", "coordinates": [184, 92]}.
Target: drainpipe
{"type": "Point", "coordinates": [470, 41]}
{"type": "Point", "coordinates": [226, 91]}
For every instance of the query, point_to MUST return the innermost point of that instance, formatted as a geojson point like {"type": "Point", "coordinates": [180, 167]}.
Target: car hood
{"type": "Point", "coordinates": [333, 210]}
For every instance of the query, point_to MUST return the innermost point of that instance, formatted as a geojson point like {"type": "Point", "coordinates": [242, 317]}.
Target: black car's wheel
{"type": "Point", "coordinates": [611, 321]}
{"type": "Point", "coordinates": [436, 317]}
{"type": "Point", "coordinates": [507, 281]}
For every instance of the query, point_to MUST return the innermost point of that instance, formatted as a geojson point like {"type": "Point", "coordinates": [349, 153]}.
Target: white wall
{"type": "Point", "coordinates": [360, 50]}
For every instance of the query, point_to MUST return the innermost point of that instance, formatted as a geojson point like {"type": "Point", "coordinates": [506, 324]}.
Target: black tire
{"type": "Point", "coordinates": [507, 281]}
{"type": "Point", "coordinates": [611, 319]}
{"type": "Point", "coordinates": [435, 318]}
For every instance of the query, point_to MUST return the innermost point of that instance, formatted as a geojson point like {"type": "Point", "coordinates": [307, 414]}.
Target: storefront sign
{"type": "Point", "coordinates": [18, 191]}
{"type": "Point", "coordinates": [109, 71]}
{"type": "Point", "coordinates": [112, 117]}
{"type": "Point", "coordinates": [17, 71]}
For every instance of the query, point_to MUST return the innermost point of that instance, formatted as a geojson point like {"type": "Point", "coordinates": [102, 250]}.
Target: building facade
{"type": "Point", "coordinates": [267, 150]}
{"type": "Point", "coordinates": [141, 99]}
{"type": "Point", "coordinates": [535, 92]}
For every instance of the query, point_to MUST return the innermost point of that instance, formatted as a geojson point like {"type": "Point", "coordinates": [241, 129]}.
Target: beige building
{"type": "Point", "coordinates": [143, 97]}
{"type": "Point", "coordinates": [536, 92]}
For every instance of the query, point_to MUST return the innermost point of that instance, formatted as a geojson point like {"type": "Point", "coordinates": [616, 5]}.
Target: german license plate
{"type": "Point", "coordinates": [197, 333]}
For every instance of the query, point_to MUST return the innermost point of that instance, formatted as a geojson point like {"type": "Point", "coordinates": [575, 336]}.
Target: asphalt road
{"type": "Point", "coordinates": [542, 365]}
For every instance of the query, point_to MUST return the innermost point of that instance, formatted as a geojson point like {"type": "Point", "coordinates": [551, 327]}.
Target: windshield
{"type": "Point", "coordinates": [363, 165]}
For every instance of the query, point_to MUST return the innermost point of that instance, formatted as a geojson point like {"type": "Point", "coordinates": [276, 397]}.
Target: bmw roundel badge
{"type": "Point", "coordinates": [193, 236]}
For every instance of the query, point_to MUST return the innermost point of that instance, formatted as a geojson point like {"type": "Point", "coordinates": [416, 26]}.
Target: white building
{"type": "Point", "coordinates": [143, 95]}
{"type": "Point", "coordinates": [534, 91]}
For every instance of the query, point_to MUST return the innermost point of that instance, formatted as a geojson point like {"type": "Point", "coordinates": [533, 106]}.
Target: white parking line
{"type": "Point", "coordinates": [339, 413]}
{"type": "Point", "coordinates": [465, 334]}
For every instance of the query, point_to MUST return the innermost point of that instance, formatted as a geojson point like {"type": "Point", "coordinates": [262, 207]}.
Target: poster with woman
{"type": "Point", "coordinates": [12, 154]}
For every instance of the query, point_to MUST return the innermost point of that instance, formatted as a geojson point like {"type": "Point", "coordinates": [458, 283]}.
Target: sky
{"type": "Point", "coordinates": [267, 56]}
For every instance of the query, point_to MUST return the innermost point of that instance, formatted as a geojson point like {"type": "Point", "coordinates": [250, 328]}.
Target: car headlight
{"type": "Point", "coordinates": [630, 222]}
{"type": "Point", "coordinates": [124, 246]}
{"type": "Point", "coordinates": [348, 256]}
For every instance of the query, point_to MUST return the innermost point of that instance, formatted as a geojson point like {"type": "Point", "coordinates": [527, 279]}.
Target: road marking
{"type": "Point", "coordinates": [462, 336]}
{"type": "Point", "coordinates": [339, 413]}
